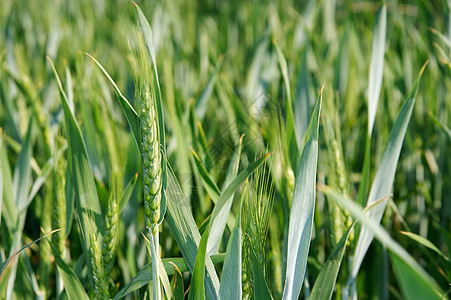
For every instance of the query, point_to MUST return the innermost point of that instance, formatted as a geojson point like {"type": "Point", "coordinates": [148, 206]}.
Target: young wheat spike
{"type": "Point", "coordinates": [59, 200]}
{"type": "Point", "coordinates": [111, 223]}
{"type": "Point", "coordinates": [151, 159]}
{"type": "Point", "coordinates": [150, 140]}
{"type": "Point", "coordinates": [97, 268]}
{"type": "Point", "coordinates": [257, 207]}
{"type": "Point", "coordinates": [151, 156]}
{"type": "Point", "coordinates": [46, 223]}
{"type": "Point", "coordinates": [337, 177]}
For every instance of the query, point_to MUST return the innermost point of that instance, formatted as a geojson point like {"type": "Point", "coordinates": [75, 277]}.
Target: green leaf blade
{"type": "Point", "coordinates": [72, 284]}
{"type": "Point", "coordinates": [86, 198]}
{"type": "Point", "coordinates": [127, 108]}
{"type": "Point", "coordinates": [219, 224]}
{"type": "Point", "coordinates": [261, 289]}
{"type": "Point", "coordinates": [377, 65]}
{"type": "Point", "coordinates": [325, 282]}
{"type": "Point", "coordinates": [185, 232]}
{"type": "Point", "coordinates": [231, 283]}
{"type": "Point", "coordinates": [385, 174]}
{"type": "Point", "coordinates": [421, 277]}
{"type": "Point", "coordinates": [302, 209]}
{"type": "Point", "coordinates": [412, 284]}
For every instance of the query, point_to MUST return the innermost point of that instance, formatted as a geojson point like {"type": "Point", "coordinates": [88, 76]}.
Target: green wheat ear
{"type": "Point", "coordinates": [99, 278]}
{"type": "Point", "coordinates": [59, 199]}
{"type": "Point", "coordinates": [339, 219]}
{"type": "Point", "coordinates": [111, 222]}
{"type": "Point", "coordinates": [257, 205]}
{"type": "Point", "coordinates": [150, 139]}
{"type": "Point", "coordinates": [151, 156]}
{"type": "Point", "coordinates": [151, 159]}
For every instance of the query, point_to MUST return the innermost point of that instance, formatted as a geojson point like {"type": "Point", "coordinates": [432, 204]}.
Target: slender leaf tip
{"type": "Point", "coordinates": [424, 67]}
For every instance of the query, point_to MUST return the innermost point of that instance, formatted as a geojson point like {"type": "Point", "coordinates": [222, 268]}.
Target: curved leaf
{"type": "Point", "coordinates": [72, 285]}
{"type": "Point", "coordinates": [127, 108]}
{"type": "Point", "coordinates": [403, 261]}
{"type": "Point", "coordinates": [303, 206]}
{"type": "Point", "coordinates": [21, 185]}
{"type": "Point", "coordinates": [325, 282]}
{"type": "Point", "coordinates": [197, 289]}
{"type": "Point", "coordinates": [425, 242]}
{"type": "Point", "coordinates": [201, 105]}
{"type": "Point", "coordinates": [144, 276]}
{"type": "Point", "coordinates": [128, 192]}
{"type": "Point", "coordinates": [86, 198]}
{"type": "Point", "coordinates": [184, 229]}
{"type": "Point", "coordinates": [385, 174]}
{"type": "Point", "coordinates": [230, 287]}
{"type": "Point", "coordinates": [261, 289]}
{"type": "Point", "coordinates": [218, 226]}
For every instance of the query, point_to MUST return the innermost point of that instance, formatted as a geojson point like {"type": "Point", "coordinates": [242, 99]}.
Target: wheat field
{"type": "Point", "coordinates": [225, 149]}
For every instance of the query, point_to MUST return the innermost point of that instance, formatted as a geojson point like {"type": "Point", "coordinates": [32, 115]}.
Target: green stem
{"type": "Point", "coordinates": [155, 270]}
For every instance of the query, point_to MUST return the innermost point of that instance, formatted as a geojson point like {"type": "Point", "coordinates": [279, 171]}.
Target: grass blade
{"type": "Point", "coordinates": [235, 184]}
{"type": "Point", "coordinates": [197, 289]}
{"type": "Point", "coordinates": [10, 259]}
{"type": "Point", "coordinates": [261, 289]}
{"type": "Point", "coordinates": [302, 209]}
{"type": "Point", "coordinates": [161, 270]}
{"type": "Point", "coordinates": [409, 264]}
{"type": "Point", "coordinates": [364, 184]}
{"type": "Point", "coordinates": [178, 286]}
{"type": "Point", "coordinates": [41, 178]}
{"type": "Point", "coordinates": [218, 226]}
{"type": "Point", "coordinates": [325, 282]}
{"type": "Point", "coordinates": [21, 185]}
{"type": "Point", "coordinates": [144, 276]}
{"type": "Point", "coordinates": [9, 208]}
{"type": "Point", "coordinates": [385, 174]}
{"type": "Point", "coordinates": [425, 242]}
{"type": "Point", "coordinates": [128, 192]}
{"type": "Point", "coordinates": [377, 65]}
{"type": "Point", "coordinates": [290, 125]}
{"type": "Point", "coordinates": [127, 108]}
{"type": "Point", "coordinates": [86, 198]}
{"type": "Point", "coordinates": [201, 105]}
{"type": "Point", "coordinates": [22, 172]}
{"type": "Point", "coordinates": [74, 288]}
{"type": "Point", "coordinates": [412, 284]}
{"type": "Point", "coordinates": [185, 232]}
{"type": "Point", "coordinates": [230, 287]}
{"type": "Point", "coordinates": [70, 199]}
{"type": "Point", "coordinates": [211, 187]}
{"type": "Point", "coordinates": [440, 125]}
{"type": "Point", "coordinates": [303, 99]}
